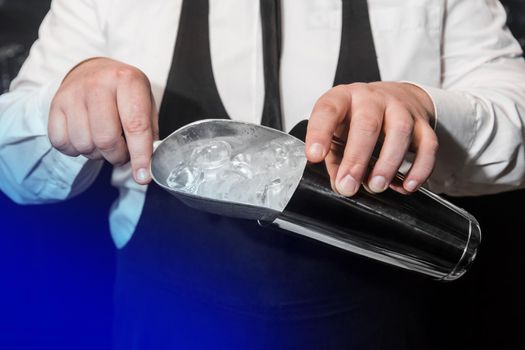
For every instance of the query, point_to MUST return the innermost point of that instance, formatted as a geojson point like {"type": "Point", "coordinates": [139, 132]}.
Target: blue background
{"type": "Point", "coordinates": [57, 265]}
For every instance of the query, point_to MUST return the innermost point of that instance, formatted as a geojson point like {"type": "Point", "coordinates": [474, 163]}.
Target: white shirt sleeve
{"type": "Point", "coordinates": [32, 171]}
{"type": "Point", "coordinates": [481, 103]}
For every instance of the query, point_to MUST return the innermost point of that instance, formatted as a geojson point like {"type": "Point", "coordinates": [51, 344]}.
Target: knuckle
{"type": "Point", "coordinates": [356, 163]}
{"type": "Point", "coordinates": [56, 103]}
{"type": "Point", "coordinates": [389, 164]}
{"type": "Point", "coordinates": [70, 96]}
{"type": "Point", "coordinates": [395, 101]}
{"type": "Point", "coordinates": [83, 146]}
{"type": "Point", "coordinates": [377, 95]}
{"type": "Point", "coordinates": [433, 144]}
{"type": "Point", "coordinates": [69, 151]}
{"type": "Point", "coordinates": [359, 87]}
{"type": "Point", "coordinates": [92, 81]}
{"type": "Point", "coordinates": [54, 115]}
{"type": "Point", "coordinates": [368, 125]}
{"type": "Point", "coordinates": [128, 73]}
{"type": "Point", "coordinates": [105, 142]}
{"type": "Point", "coordinates": [136, 125]}
{"type": "Point", "coordinates": [326, 107]}
{"type": "Point", "coordinates": [58, 140]}
{"type": "Point", "coordinates": [371, 98]}
{"type": "Point", "coordinates": [342, 88]}
{"type": "Point", "coordinates": [404, 126]}
{"type": "Point", "coordinates": [62, 98]}
{"type": "Point", "coordinates": [360, 92]}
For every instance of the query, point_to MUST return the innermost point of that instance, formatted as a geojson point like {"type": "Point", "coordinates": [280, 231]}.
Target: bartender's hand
{"type": "Point", "coordinates": [104, 109]}
{"type": "Point", "coordinates": [399, 114]}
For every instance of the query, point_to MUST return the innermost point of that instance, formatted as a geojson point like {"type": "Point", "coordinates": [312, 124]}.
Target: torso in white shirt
{"type": "Point", "coordinates": [458, 50]}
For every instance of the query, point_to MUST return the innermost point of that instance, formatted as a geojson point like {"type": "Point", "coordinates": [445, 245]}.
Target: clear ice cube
{"type": "Point", "coordinates": [184, 177]}
{"type": "Point", "coordinates": [242, 168]}
{"type": "Point", "coordinates": [211, 154]}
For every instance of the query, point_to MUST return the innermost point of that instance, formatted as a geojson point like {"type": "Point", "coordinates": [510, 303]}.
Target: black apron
{"type": "Point", "coordinates": [189, 279]}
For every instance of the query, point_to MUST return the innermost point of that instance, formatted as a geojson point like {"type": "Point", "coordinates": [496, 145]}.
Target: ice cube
{"type": "Point", "coordinates": [244, 158]}
{"type": "Point", "coordinates": [184, 177]}
{"type": "Point", "coordinates": [280, 151]}
{"type": "Point", "coordinates": [271, 155]}
{"type": "Point", "coordinates": [212, 154]}
{"type": "Point", "coordinates": [234, 186]}
{"type": "Point", "coordinates": [274, 194]}
{"type": "Point", "coordinates": [242, 167]}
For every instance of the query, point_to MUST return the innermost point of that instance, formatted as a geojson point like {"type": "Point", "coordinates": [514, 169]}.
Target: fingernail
{"type": "Point", "coordinates": [347, 186]}
{"type": "Point", "coordinates": [377, 184]}
{"type": "Point", "coordinates": [142, 175]}
{"type": "Point", "coordinates": [316, 150]}
{"type": "Point", "coordinates": [411, 185]}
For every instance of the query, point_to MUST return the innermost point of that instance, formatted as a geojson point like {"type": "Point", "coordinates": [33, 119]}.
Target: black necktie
{"type": "Point", "coordinates": [357, 55]}
{"type": "Point", "coordinates": [271, 40]}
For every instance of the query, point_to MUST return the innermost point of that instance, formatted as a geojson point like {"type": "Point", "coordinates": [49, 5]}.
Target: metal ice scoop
{"type": "Point", "coordinates": [167, 155]}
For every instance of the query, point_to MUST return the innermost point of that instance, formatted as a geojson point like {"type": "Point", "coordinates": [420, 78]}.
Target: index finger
{"type": "Point", "coordinates": [329, 111]}
{"type": "Point", "coordinates": [135, 108]}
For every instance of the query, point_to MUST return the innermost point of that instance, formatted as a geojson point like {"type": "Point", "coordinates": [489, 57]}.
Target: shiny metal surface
{"type": "Point", "coordinates": [421, 232]}
{"type": "Point", "coordinates": [167, 155]}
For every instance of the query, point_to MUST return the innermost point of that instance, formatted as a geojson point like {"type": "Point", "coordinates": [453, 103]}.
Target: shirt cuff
{"type": "Point", "coordinates": [61, 177]}
{"type": "Point", "coordinates": [456, 127]}
{"type": "Point", "coordinates": [455, 116]}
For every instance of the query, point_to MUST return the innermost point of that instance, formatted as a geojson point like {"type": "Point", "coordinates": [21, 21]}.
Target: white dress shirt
{"type": "Point", "coordinates": [459, 51]}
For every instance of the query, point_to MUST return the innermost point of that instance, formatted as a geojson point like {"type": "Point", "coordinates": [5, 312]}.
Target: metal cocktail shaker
{"type": "Point", "coordinates": [421, 232]}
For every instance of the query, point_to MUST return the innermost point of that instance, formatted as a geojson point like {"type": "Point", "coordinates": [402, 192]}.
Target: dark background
{"type": "Point", "coordinates": [56, 275]}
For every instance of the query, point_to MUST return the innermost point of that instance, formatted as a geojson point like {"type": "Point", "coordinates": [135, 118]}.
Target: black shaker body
{"type": "Point", "coordinates": [420, 232]}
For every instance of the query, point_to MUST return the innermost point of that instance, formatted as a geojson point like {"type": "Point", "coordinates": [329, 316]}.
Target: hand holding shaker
{"type": "Point", "coordinates": [253, 172]}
